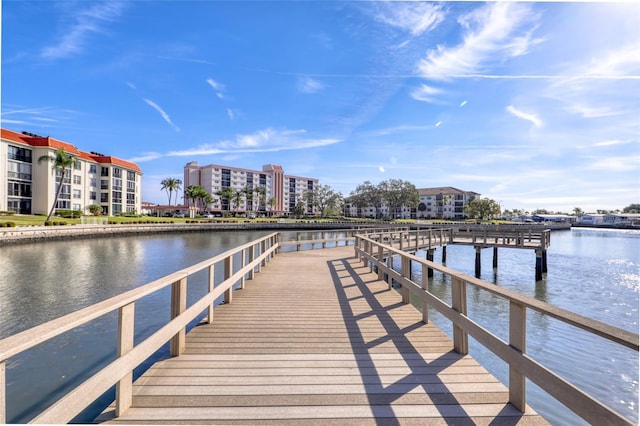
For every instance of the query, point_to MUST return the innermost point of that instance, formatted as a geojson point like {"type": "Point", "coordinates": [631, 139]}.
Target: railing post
{"type": "Point", "coordinates": [390, 268]}
{"type": "Point", "coordinates": [252, 257]}
{"type": "Point", "coordinates": [124, 387]}
{"type": "Point", "coordinates": [211, 285]}
{"type": "Point", "coordinates": [298, 246]}
{"type": "Point", "coordinates": [380, 261]}
{"type": "Point", "coordinates": [324, 236]}
{"type": "Point", "coordinates": [459, 303]}
{"type": "Point", "coordinates": [228, 271]}
{"type": "Point", "coordinates": [517, 340]}
{"type": "Point", "coordinates": [356, 246]}
{"type": "Point", "coordinates": [263, 248]}
{"type": "Point", "coordinates": [243, 260]}
{"type": "Point", "coordinates": [366, 251]}
{"type": "Point", "coordinates": [406, 273]}
{"type": "Point", "coordinates": [3, 393]}
{"type": "Point", "coordinates": [425, 287]}
{"type": "Point", "coordinates": [178, 306]}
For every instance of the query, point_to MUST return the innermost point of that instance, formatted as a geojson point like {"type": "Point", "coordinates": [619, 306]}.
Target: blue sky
{"type": "Point", "coordinates": [535, 105]}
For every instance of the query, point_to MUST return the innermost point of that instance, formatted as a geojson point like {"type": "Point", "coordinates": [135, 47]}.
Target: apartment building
{"type": "Point", "coordinates": [444, 202]}
{"type": "Point", "coordinates": [435, 203]}
{"type": "Point", "coordinates": [28, 186]}
{"type": "Point", "coordinates": [285, 191]}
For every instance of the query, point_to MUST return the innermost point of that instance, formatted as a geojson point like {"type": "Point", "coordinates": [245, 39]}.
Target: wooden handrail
{"type": "Point", "coordinates": [119, 372]}
{"type": "Point", "coordinates": [521, 366]}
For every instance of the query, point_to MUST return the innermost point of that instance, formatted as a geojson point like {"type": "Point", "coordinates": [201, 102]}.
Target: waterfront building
{"type": "Point", "coordinates": [285, 191]}
{"type": "Point", "coordinates": [434, 203]}
{"type": "Point", "coordinates": [29, 187]}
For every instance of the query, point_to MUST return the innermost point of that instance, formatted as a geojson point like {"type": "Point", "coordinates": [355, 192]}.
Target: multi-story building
{"type": "Point", "coordinates": [28, 186]}
{"type": "Point", "coordinates": [285, 191]}
{"type": "Point", "coordinates": [444, 203]}
{"type": "Point", "coordinates": [435, 203]}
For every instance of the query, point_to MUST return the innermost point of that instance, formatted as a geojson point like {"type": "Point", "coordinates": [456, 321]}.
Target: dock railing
{"type": "Point", "coordinates": [253, 256]}
{"type": "Point", "coordinates": [376, 252]}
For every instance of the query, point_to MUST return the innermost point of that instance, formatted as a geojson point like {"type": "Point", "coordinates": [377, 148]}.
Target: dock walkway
{"type": "Point", "coordinates": [316, 338]}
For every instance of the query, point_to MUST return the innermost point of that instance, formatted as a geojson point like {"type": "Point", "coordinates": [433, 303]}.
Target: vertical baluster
{"type": "Point", "coordinates": [459, 303]}
{"type": "Point", "coordinates": [211, 285]}
{"type": "Point", "coordinates": [243, 260]}
{"type": "Point", "coordinates": [178, 306]}
{"type": "Point", "coordinates": [3, 393]}
{"type": "Point", "coordinates": [517, 339]}
{"type": "Point", "coordinates": [252, 257]}
{"type": "Point", "coordinates": [124, 387]}
{"type": "Point", "coordinates": [228, 271]}
{"type": "Point", "coordinates": [425, 287]}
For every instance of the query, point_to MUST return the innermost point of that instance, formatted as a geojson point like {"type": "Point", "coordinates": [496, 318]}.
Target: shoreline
{"type": "Point", "coordinates": [30, 234]}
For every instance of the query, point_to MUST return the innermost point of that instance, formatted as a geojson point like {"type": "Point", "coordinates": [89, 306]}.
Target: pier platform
{"type": "Point", "coordinates": [317, 338]}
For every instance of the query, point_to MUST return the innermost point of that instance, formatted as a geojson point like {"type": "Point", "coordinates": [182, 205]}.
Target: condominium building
{"type": "Point", "coordinates": [284, 191]}
{"type": "Point", "coordinates": [444, 202]}
{"type": "Point", "coordinates": [434, 203]}
{"type": "Point", "coordinates": [29, 186]}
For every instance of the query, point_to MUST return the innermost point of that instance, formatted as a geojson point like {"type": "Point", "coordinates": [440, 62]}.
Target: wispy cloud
{"type": "Point", "coordinates": [494, 32]}
{"type": "Point", "coordinates": [415, 18]}
{"type": "Point", "coordinates": [86, 21]}
{"type": "Point", "coordinates": [426, 93]}
{"type": "Point", "coordinates": [218, 87]}
{"type": "Point", "coordinates": [230, 113]}
{"type": "Point", "coordinates": [309, 85]}
{"type": "Point", "coordinates": [146, 156]}
{"type": "Point", "coordinates": [164, 115]}
{"type": "Point", "coordinates": [525, 116]}
{"type": "Point", "coordinates": [267, 140]}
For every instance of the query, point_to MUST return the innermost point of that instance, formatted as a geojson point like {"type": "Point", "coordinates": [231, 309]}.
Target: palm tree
{"type": "Point", "coordinates": [237, 199]}
{"type": "Point", "coordinates": [271, 202]}
{"type": "Point", "coordinates": [262, 193]}
{"type": "Point", "coordinates": [63, 161]}
{"type": "Point", "coordinates": [226, 194]}
{"type": "Point", "coordinates": [170, 185]}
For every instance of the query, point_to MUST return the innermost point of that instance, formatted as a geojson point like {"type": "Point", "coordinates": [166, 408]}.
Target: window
{"type": "Point", "coordinates": [65, 192]}
{"type": "Point", "coordinates": [104, 184]}
{"type": "Point", "coordinates": [116, 197]}
{"type": "Point", "coordinates": [19, 189]}
{"type": "Point", "coordinates": [77, 207]}
{"type": "Point", "coordinates": [131, 175]}
{"type": "Point", "coordinates": [93, 195]}
{"type": "Point", "coordinates": [104, 171]}
{"type": "Point", "coordinates": [67, 177]}
{"type": "Point", "coordinates": [116, 208]}
{"type": "Point", "coordinates": [19, 170]}
{"type": "Point", "coordinates": [77, 165]}
{"type": "Point", "coordinates": [117, 184]}
{"type": "Point", "coordinates": [19, 154]}
{"type": "Point", "coordinates": [131, 198]}
{"type": "Point", "coordinates": [63, 204]}
{"type": "Point", "coordinates": [93, 168]}
{"type": "Point", "coordinates": [77, 194]}
{"type": "Point", "coordinates": [117, 172]}
{"type": "Point", "coordinates": [104, 197]}
{"type": "Point", "coordinates": [77, 180]}
{"type": "Point", "coordinates": [93, 182]}
{"type": "Point", "coordinates": [131, 186]}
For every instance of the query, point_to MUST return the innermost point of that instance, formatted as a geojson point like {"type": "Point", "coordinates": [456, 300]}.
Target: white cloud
{"type": "Point", "coordinates": [463, 103]}
{"type": "Point", "coordinates": [266, 140]}
{"type": "Point", "coordinates": [525, 116]}
{"type": "Point", "coordinates": [146, 156]}
{"type": "Point", "coordinates": [415, 18]}
{"type": "Point", "coordinates": [426, 93]}
{"type": "Point", "coordinates": [493, 33]}
{"type": "Point", "coordinates": [87, 21]}
{"type": "Point", "coordinates": [218, 87]}
{"type": "Point", "coordinates": [309, 85]}
{"type": "Point", "coordinates": [164, 115]}
{"type": "Point", "coordinates": [230, 114]}
{"type": "Point", "coordinates": [439, 123]}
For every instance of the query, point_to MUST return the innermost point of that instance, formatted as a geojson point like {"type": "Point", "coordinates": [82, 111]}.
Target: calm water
{"type": "Point", "coordinates": [591, 272]}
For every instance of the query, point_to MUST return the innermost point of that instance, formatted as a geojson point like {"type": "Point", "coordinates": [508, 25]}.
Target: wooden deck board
{"type": "Point", "coordinates": [315, 338]}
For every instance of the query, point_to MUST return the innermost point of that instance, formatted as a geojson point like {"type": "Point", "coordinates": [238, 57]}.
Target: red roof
{"type": "Point", "coordinates": [55, 143]}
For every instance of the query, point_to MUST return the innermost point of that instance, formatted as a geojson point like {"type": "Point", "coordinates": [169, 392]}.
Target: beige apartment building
{"type": "Point", "coordinates": [285, 191]}
{"type": "Point", "coordinates": [435, 203]}
{"type": "Point", "coordinates": [29, 187]}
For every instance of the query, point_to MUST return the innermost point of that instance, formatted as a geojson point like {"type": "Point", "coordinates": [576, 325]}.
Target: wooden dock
{"type": "Point", "coordinates": [316, 338]}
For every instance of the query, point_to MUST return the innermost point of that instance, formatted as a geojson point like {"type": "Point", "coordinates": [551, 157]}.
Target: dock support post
{"type": "Point", "coordinates": [495, 257]}
{"type": "Point", "coordinates": [444, 254]}
{"type": "Point", "coordinates": [178, 306]}
{"type": "Point", "coordinates": [430, 258]}
{"type": "Point", "coordinates": [124, 387]}
{"type": "Point", "coordinates": [478, 260]}
{"type": "Point", "coordinates": [538, 265]}
{"type": "Point", "coordinates": [544, 261]}
{"type": "Point", "coordinates": [3, 393]}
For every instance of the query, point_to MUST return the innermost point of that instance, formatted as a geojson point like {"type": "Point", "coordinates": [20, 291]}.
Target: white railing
{"type": "Point", "coordinates": [378, 254]}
